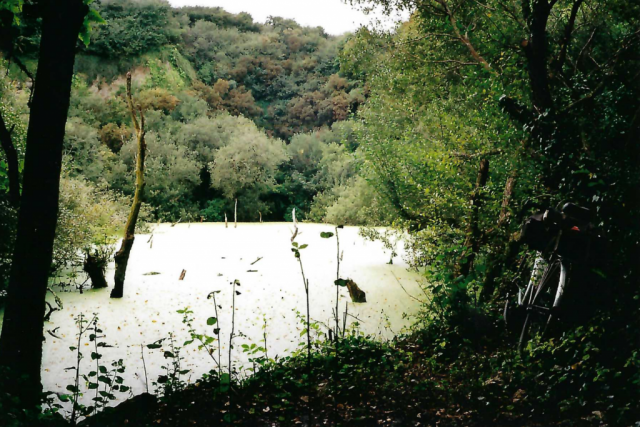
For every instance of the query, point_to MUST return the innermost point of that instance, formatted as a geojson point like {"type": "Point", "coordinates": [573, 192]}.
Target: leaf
{"type": "Point", "coordinates": [304, 246]}
{"type": "Point", "coordinates": [340, 282]}
{"type": "Point", "coordinates": [95, 355]}
{"type": "Point", "coordinates": [295, 244]}
{"type": "Point", "coordinates": [238, 293]}
{"type": "Point", "coordinates": [168, 354]}
{"type": "Point", "coordinates": [216, 331]}
{"type": "Point", "coordinates": [212, 321]}
{"type": "Point", "coordinates": [326, 234]}
{"type": "Point", "coordinates": [92, 18]}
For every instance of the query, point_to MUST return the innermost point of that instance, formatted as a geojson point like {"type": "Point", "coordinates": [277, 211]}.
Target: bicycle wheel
{"type": "Point", "coordinates": [543, 306]}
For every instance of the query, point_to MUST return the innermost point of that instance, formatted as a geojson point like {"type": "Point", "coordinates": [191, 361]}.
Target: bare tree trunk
{"type": "Point", "coordinates": [12, 162]}
{"type": "Point", "coordinates": [506, 200]}
{"type": "Point", "coordinates": [122, 256]}
{"type": "Point", "coordinates": [496, 262]}
{"type": "Point", "coordinates": [226, 223]}
{"type": "Point", "coordinates": [472, 243]}
{"type": "Point", "coordinates": [22, 331]}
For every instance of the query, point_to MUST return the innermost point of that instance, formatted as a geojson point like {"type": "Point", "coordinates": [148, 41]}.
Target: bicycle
{"type": "Point", "coordinates": [561, 239]}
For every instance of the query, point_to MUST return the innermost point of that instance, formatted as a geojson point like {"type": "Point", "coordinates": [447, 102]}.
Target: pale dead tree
{"type": "Point", "coordinates": [226, 223]}
{"type": "Point", "coordinates": [295, 225]}
{"type": "Point", "coordinates": [122, 256]}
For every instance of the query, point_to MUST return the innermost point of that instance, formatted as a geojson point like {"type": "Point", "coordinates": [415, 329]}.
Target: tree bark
{"type": "Point", "coordinates": [122, 256]}
{"type": "Point", "coordinates": [11, 154]}
{"type": "Point", "coordinates": [495, 263]}
{"type": "Point", "coordinates": [22, 332]}
{"type": "Point", "coordinates": [506, 200]}
{"type": "Point", "coordinates": [472, 243]}
{"type": "Point", "coordinates": [536, 50]}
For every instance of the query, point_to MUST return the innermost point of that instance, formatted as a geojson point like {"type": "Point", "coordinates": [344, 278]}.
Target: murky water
{"type": "Point", "coordinates": [271, 289]}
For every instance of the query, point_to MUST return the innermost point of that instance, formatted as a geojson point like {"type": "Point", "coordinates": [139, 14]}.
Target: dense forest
{"type": "Point", "coordinates": [448, 131]}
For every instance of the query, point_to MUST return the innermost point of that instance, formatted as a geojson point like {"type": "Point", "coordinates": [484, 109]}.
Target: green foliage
{"type": "Point", "coordinates": [102, 382]}
{"type": "Point", "coordinates": [172, 381]}
{"type": "Point", "coordinates": [132, 28]}
{"type": "Point", "coordinates": [88, 218]}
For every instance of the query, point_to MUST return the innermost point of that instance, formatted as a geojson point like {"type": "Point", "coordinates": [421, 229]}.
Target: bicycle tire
{"type": "Point", "coordinates": [541, 310]}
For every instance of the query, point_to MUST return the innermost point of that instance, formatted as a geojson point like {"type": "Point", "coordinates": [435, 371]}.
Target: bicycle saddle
{"type": "Point", "coordinates": [577, 212]}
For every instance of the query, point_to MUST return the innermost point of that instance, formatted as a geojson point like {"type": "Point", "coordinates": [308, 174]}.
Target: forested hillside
{"type": "Point", "coordinates": [234, 109]}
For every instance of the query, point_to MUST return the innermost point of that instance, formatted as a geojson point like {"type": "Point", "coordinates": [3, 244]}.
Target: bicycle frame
{"type": "Point", "coordinates": [526, 298]}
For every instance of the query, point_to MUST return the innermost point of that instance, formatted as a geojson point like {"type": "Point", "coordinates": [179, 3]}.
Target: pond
{"type": "Point", "coordinates": [271, 290]}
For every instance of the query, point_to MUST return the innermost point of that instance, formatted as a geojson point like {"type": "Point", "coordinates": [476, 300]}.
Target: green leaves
{"type": "Point", "coordinates": [156, 344]}
{"type": "Point", "coordinates": [92, 18]}
{"type": "Point", "coordinates": [212, 321]}
{"type": "Point", "coordinates": [13, 6]}
{"type": "Point", "coordinates": [296, 248]}
{"type": "Point", "coordinates": [326, 234]}
{"type": "Point", "coordinates": [225, 382]}
{"type": "Point", "coordinates": [340, 282]}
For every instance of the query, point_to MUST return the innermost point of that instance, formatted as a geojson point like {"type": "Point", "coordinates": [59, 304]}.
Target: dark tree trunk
{"type": "Point", "coordinates": [472, 244]}
{"type": "Point", "coordinates": [95, 267]}
{"type": "Point", "coordinates": [122, 256]}
{"type": "Point", "coordinates": [535, 49]}
{"type": "Point", "coordinates": [11, 154]}
{"type": "Point", "coordinates": [22, 332]}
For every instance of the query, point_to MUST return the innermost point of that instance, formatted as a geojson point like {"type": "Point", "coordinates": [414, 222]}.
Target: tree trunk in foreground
{"type": "Point", "coordinates": [21, 339]}
{"type": "Point", "coordinates": [122, 256]}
